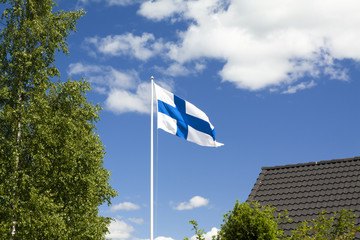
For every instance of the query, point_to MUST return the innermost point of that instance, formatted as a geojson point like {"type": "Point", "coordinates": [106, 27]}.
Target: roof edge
{"type": "Point", "coordinates": [312, 163]}
{"type": "Point", "coordinates": [256, 185]}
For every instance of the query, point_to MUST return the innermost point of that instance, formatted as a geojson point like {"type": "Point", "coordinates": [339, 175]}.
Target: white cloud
{"type": "Point", "coordinates": [79, 68]}
{"type": "Point", "coordinates": [208, 235]}
{"type": "Point", "coordinates": [125, 92]}
{"type": "Point", "coordinates": [81, 3]}
{"type": "Point", "coordinates": [123, 2]}
{"type": "Point", "coordinates": [194, 202]}
{"type": "Point", "coordinates": [121, 101]}
{"type": "Point", "coordinates": [119, 230]}
{"type": "Point", "coordinates": [176, 69]}
{"type": "Point", "coordinates": [136, 220]}
{"type": "Point", "coordinates": [141, 47]}
{"type": "Point", "coordinates": [163, 238]}
{"type": "Point", "coordinates": [300, 86]}
{"type": "Point", "coordinates": [264, 44]}
{"type": "Point", "coordinates": [127, 206]}
{"type": "Point", "coordinates": [173, 70]}
{"type": "Point", "coordinates": [157, 10]}
{"type": "Point", "coordinates": [105, 75]}
{"type": "Point", "coordinates": [84, 2]}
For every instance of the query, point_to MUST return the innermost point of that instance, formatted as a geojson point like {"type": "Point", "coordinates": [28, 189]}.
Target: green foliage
{"type": "Point", "coordinates": [52, 178]}
{"type": "Point", "coordinates": [339, 226]}
{"type": "Point", "coordinates": [251, 221]}
{"type": "Point", "coordinates": [199, 233]}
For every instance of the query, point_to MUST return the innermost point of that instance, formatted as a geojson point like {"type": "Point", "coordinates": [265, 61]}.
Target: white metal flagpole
{"type": "Point", "coordinates": [152, 163]}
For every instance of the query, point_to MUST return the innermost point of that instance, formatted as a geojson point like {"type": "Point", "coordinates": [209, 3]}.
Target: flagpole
{"type": "Point", "coordinates": [152, 163]}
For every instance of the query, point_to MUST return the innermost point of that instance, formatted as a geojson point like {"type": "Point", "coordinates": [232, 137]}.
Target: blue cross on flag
{"type": "Point", "coordinates": [183, 119]}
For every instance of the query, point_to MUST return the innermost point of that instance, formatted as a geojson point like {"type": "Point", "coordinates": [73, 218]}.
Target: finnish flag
{"type": "Point", "coordinates": [183, 119]}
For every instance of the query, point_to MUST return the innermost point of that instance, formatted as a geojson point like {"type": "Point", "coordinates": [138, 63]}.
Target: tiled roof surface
{"type": "Point", "coordinates": [307, 189]}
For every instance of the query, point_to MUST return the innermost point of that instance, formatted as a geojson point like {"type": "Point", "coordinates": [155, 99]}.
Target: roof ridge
{"type": "Point", "coordinates": [312, 163]}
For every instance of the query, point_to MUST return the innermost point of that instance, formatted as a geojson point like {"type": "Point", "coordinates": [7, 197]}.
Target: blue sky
{"type": "Point", "coordinates": [278, 80]}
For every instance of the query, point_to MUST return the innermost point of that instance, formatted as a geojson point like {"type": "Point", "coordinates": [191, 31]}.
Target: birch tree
{"type": "Point", "coordinates": [52, 178]}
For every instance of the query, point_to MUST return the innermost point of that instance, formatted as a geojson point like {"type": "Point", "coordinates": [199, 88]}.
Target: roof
{"type": "Point", "coordinates": [308, 188]}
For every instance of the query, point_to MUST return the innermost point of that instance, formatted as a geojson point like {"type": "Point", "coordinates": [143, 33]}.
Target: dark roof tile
{"type": "Point", "coordinates": [308, 188]}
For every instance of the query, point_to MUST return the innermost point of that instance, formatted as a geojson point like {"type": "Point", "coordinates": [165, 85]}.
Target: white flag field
{"type": "Point", "coordinates": [183, 119]}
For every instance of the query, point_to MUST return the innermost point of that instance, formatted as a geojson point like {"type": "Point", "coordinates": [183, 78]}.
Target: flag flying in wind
{"type": "Point", "coordinates": [183, 119]}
